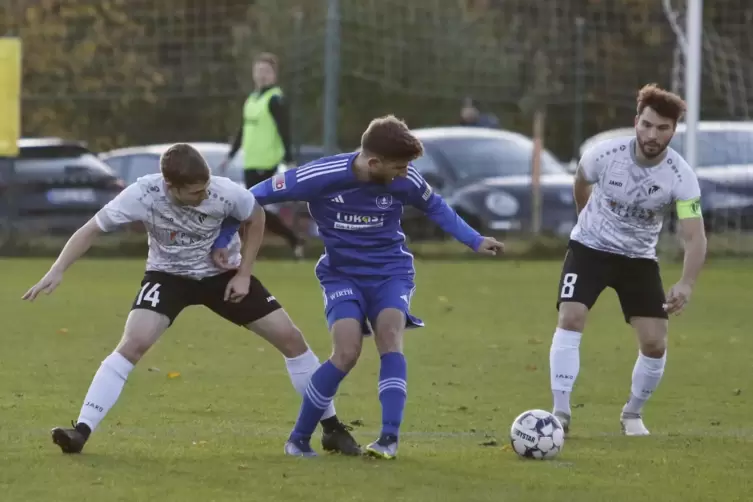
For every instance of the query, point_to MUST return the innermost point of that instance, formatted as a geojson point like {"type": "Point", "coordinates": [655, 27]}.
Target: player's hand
{"type": "Point", "coordinates": [47, 285]}
{"type": "Point", "coordinates": [237, 288]}
{"type": "Point", "coordinates": [490, 246]}
{"type": "Point", "coordinates": [220, 258]}
{"type": "Point", "coordinates": [677, 298]}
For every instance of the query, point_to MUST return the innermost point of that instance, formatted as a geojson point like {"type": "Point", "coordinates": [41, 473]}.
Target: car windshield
{"type": "Point", "coordinates": [719, 148]}
{"type": "Point", "coordinates": [476, 158]}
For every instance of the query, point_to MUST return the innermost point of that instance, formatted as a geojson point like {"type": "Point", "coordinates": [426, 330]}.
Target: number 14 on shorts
{"type": "Point", "coordinates": [149, 293]}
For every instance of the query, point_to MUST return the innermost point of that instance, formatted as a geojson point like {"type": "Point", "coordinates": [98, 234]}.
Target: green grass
{"type": "Point", "coordinates": [216, 431]}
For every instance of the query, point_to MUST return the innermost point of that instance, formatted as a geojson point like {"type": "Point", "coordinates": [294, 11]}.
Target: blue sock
{"type": "Point", "coordinates": [320, 391]}
{"type": "Point", "coordinates": [393, 391]}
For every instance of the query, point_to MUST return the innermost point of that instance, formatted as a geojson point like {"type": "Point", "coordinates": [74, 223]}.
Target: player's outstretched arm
{"type": "Point", "coordinates": [75, 248]}
{"type": "Point", "coordinates": [693, 236]}
{"type": "Point", "coordinates": [434, 206]}
{"type": "Point", "coordinates": [300, 184]}
{"type": "Point", "coordinates": [126, 207]}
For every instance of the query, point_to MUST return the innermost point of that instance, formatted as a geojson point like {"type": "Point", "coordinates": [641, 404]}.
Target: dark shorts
{"type": "Point", "coordinates": [637, 281]}
{"type": "Point", "coordinates": [252, 177]}
{"type": "Point", "coordinates": [169, 294]}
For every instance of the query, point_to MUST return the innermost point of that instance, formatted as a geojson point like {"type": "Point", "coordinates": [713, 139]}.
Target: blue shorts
{"type": "Point", "coordinates": [346, 298]}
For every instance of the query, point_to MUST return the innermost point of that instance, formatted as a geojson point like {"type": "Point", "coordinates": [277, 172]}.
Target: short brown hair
{"type": "Point", "coordinates": [390, 138]}
{"type": "Point", "coordinates": [182, 165]}
{"type": "Point", "coordinates": [665, 103]}
{"type": "Point", "coordinates": [267, 57]}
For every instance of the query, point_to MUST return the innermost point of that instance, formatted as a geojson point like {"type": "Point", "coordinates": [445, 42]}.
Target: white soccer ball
{"type": "Point", "coordinates": [537, 434]}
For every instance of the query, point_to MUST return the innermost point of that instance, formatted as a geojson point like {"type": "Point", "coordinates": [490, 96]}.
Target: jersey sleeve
{"type": "Point", "coordinates": [423, 197]}
{"type": "Point", "coordinates": [126, 207]}
{"type": "Point", "coordinates": [590, 164]}
{"type": "Point", "coordinates": [688, 195]}
{"type": "Point", "coordinates": [243, 202]}
{"type": "Point", "coordinates": [292, 185]}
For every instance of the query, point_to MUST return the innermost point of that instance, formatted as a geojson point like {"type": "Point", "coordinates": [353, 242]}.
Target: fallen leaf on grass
{"type": "Point", "coordinates": [63, 331]}
{"type": "Point", "coordinates": [173, 374]}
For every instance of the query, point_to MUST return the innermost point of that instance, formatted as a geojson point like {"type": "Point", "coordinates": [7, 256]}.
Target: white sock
{"type": "Point", "coordinates": [300, 370]}
{"type": "Point", "coordinates": [564, 363]}
{"type": "Point", "coordinates": [105, 389]}
{"type": "Point", "coordinates": [647, 374]}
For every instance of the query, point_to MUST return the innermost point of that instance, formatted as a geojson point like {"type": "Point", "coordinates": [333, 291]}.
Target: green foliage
{"type": "Point", "coordinates": [77, 55]}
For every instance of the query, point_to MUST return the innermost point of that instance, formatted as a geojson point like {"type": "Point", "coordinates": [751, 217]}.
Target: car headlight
{"type": "Point", "coordinates": [502, 204]}
{"type": "Point", "coordinates": [721, 200]}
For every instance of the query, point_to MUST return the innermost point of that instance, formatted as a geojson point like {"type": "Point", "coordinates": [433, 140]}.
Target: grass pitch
{"type": "Point", "coordinates": [204, 416]}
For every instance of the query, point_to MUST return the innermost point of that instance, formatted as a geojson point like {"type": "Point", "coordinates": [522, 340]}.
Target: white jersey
{"type": "Point", "coordinates": [180, 237]}
{"type": "Point", "coordinates": [628, 203]}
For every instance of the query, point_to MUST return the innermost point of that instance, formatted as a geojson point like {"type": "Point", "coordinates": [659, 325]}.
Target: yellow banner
{"type": "Point", "coordinates": [10, 96]}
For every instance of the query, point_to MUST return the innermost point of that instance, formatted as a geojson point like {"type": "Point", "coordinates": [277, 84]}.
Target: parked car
{"type": "Point", "coordinates": [54, 187]}
{"type": "Point", "coordinates": [724, 169]}
{"type": "Point", "coordinates": [484, 174]}
{"type": "Point", "coordinates": [133, 162]}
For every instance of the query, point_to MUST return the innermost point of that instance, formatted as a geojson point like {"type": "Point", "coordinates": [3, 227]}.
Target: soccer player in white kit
{"type": "Point", "coordinates": [623, 189]}
{"type": "Point", "coordinates": [183, 208]}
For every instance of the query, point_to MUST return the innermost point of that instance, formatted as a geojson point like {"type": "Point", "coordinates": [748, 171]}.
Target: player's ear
{"type": "Point", "coordinates": [374, 162]}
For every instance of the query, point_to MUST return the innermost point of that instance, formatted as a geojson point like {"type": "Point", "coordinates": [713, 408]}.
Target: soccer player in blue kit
{"type": "Point", "coordinates": [366, 272]}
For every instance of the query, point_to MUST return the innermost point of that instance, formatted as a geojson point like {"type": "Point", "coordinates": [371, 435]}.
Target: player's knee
{"type": "Point", "coordinates": [345, 356]}
{"type": "Point", "coordinates": [389, 339]}
{"type": "Point", "coordinates": [653, 345]}
{"type": "Point", "coordinates": [652, 335]}
{"type": "Point", "coordinates": [291, 342]}
{"type": "Point", "coordinates": [572, 316]}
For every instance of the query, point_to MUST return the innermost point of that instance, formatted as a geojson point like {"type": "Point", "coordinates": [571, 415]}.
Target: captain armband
{"type": "Point", "coordinates": [689, 208]}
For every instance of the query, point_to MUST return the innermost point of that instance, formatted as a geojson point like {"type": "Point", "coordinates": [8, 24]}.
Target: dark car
{"type": "Point", "coordinates": [53, 187]}
{"type": "Point", "coordinates": [724, 169]}
{"type": "Point", "coordinates": [484, 174]}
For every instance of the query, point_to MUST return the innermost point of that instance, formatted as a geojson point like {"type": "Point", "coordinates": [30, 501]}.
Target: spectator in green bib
{"type": "Point", "coordinates": [264, 138]}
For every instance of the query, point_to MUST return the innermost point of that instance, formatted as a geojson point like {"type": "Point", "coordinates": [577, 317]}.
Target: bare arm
{"type": "Point", "coordinates": [581, 189]}
{"type": "Point", "coordinates": [693, 238]}
{"type": "Point", "coordinates": [77, 245]}
{"type": "Point", "coordinates": [252, 232]}
{"type": "Point", "coordinates": [75, 248]}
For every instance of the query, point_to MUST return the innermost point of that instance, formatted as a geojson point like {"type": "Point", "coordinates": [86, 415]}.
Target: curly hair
{"type": "Point", "coordinates": [390, 138]}
{"type": "Point", "coordinates": [665, 103]}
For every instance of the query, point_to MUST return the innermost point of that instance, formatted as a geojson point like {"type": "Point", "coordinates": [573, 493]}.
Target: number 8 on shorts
{"type": "Point", "coordinates": [568, 286]}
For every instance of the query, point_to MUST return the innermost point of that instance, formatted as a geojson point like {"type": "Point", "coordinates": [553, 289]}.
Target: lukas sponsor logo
{"type": "Point", "coordinates": [347, 221]}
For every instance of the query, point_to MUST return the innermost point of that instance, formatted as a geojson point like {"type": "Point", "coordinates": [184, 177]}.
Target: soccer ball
{"type": "Point", "coordinates": [537, 434]}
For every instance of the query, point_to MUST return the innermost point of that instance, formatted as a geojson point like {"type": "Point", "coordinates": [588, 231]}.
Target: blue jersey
{"type": "Point", "coordinates": [359, 222]}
